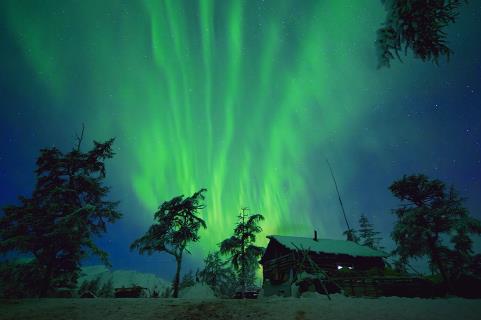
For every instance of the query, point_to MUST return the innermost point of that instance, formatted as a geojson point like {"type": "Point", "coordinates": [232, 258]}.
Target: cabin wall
{"type": "Point", "coordinates": [281, 266]}
{"type": "Point", "coordinates": [282, 289]}
{"type": "Point", "coordinates": [274, 250]}
{"type": "Point", "coordinates": [276, 263]}
{"type": "Point", "coordinates": [330, 262]}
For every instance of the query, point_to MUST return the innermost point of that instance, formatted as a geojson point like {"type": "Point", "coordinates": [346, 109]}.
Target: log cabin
{"type": "Point", "coordinates": [288, 259]}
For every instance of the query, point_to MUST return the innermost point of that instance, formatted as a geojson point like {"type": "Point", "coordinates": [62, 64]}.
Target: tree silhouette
{"type": "Point", "coordinates": [67, 208]}
{"type": "Point", "coordinates": [429, 213]}
{"type": "Point", "coordinates": [188, 280]}
{"type": "Point", "coordinates": [351, 235]}
{"type": "Point", "coordinates": [241, 248]}
{"type": "Point", "coordinates": [176, 225]}
{"type": "Point", "coordinates": [214, 269]}
{"type": "Point", "coordinates": [218, 274]}
{"type": "Point", "coordinates": [367, 234]}
{"type": "Point", "coordinates": [418, 25]}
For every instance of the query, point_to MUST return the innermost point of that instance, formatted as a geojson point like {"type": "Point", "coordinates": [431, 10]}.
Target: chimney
{"type": "Point", "coordinates": [315, 235]}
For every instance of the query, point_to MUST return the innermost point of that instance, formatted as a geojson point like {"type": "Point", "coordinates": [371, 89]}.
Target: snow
{"type": "Point", "coordinates": [306, 276]}
{"type": "Point", "coordinates": [198, 291]}
{"type": "Point", "coordinates": [123, 278]}
{"type": "Point", "coordinates": [327, 246]}
{"type": "Point", "coordinates": [312, 295]}
{"type": "Point", "coordinates": [311, 306]}
{"type": "Point", "coordinates": [295, 290]}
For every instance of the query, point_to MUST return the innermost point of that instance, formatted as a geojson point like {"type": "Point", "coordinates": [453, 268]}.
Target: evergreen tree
{"type": "Point", "coordinates": [188, 280]}
{"type": "Point", "coordinates": [67, 208]}
{"type": "Point", "coordinates": [400, 265]}
{"type": "Point", "coordinates": [176, 226]}
{"type": "Point", "coordinates": [218, 274]}
{"type": "Point", "coordinates": [351, 235]}
{"type": "Point", "coordinates": [241, 248]}
{"type": "Point", "coordinates": [214, 269]}
{"type": "Point", "coordinates": [106, 290]}
{"type": "Point", "coordinates": [418, 25]}
{"type": "Point", "coordinates": [367, 235]}
{"type": "Point", "coordinates": [92, 286]}
{"type": "Point", "coordinates": [19, 279]}
{"type": "Point", "coordinates": [427, 215]}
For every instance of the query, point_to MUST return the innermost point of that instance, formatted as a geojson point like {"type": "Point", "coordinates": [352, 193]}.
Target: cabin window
{"type": "Point", "coordinates": [339, 267]}
{"type": "Point", "coordinates": [279, 277]}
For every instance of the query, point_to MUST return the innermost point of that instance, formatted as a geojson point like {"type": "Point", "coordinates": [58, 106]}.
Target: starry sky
{"type": "Point", "coordinates": [244, 98]}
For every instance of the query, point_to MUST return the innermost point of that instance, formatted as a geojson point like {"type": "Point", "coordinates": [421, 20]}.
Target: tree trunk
{"type": "Point", "coordinates": [178, 259]}
{"type": "Point", "coordinates": [243, 272]}
{"type": "Point", "coordinates": [437, 261]}
{"type": "Point", "coordinates": [243, 281]}
{"type": "Point", "coordinates": [442, 270]}
{"type": "Point", "coordinates": [47, 278]}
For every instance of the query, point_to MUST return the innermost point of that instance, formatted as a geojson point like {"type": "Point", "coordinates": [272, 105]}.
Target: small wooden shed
{"type": "Point", "coordinates": [132, 292]}
{"type": "Point", "coordinates": [284, 260]}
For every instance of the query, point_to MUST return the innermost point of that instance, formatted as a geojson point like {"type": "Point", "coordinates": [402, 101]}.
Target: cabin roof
{"type": "Point", "coordinates": [327, 246]}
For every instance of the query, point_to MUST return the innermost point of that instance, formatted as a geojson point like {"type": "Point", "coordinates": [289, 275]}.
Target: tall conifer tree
{"type": "Point", "coordinates": [367, 234]}
{"type": "Point", "coordinates": [177, 224]}
{"type": "Point", "coordinates": [68, 207]}
{"type": "Point", "coordinates": [242, 249]}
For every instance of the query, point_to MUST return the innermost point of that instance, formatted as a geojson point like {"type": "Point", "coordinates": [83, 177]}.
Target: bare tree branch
{"type": "Point", "coordinates": [80, 138]}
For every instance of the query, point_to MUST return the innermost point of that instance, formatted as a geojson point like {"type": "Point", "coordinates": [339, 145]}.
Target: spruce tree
{"type": "Point", "coordinates": [218, 274]}
{"type": "Point", "coordinates": [429, 214]}
{"type": "Point", "coordinates": [176, 226]}
{"type": "Point", "coordinates": [242, 249]}
{"type": "Point", "coordinates": [68, 207]}
{"type": "Point", "coordinates": [214, 269]}
{"type": "Point", "coordinates": [188, 280]}
{"type": "Point", "coordinates": [418, 25]}
{"type": "Point", "coordinates": [367, 234]}
{"type": "Point", "coordinates": [351, 235]}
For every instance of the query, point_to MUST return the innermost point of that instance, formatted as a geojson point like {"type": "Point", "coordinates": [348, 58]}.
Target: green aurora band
{"type": "Point", "coordinates": [245, 98]}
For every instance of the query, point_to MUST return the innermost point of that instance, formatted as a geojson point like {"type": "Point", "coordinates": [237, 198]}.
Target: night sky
{"type": "Point", "coordinates": [244, 98]}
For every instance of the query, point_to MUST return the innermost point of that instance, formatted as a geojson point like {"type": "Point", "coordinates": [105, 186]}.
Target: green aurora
{"type": "Point", "coordinates": [244, 98]}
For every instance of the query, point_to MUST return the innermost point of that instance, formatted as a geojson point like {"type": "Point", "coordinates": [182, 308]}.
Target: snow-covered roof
{"type": "Point", "coordinates": [327, 246]}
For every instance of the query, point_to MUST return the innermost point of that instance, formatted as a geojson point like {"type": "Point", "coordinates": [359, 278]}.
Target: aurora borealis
{"type": "Point", "coordinates": [244, 98]}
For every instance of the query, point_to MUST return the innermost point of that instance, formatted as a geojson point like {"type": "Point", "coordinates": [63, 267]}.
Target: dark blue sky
{"type": "Point", "coordinates": [244, 98]}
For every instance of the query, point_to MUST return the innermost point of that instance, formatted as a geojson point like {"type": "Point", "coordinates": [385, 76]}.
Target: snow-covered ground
{"type": "Point", "coordinates": [123, 278]}
{"type": "Point", "coordinates": [198, 291]}
{"type": "Point", "coordinates": [199, 302]}
{"type": "Point", "coordinates": [311, 307]}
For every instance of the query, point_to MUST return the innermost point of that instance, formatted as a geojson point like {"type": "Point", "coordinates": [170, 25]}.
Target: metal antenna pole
{"type": "Point", "coordinates": [339, 197]}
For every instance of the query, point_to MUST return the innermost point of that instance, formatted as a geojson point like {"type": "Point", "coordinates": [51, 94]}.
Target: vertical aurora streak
{"type": "Point", "coordinates": [245, 98]}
